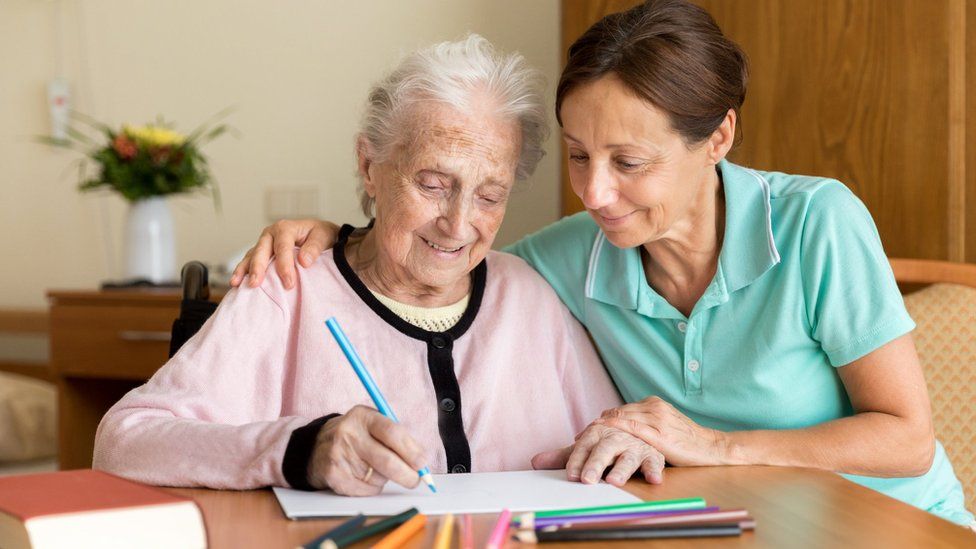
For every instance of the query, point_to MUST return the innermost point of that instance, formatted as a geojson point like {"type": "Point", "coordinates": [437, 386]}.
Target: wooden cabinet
{"type": "Point", "coordinates": [874, 93]}
{"type": "Point", "coordinates": [103, 344]}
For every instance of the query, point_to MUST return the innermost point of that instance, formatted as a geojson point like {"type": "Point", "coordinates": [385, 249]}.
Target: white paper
{"type": "Point", "coordinates": [463, 493]}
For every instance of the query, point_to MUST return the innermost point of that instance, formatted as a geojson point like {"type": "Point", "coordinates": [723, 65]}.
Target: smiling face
{"type": "Point", "coordinates": [441, 196]}
{"type": "Point", "coordinates": [637, 177]}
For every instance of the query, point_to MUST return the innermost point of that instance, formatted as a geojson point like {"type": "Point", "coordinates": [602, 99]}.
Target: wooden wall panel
{"type": "Point", "coordinates": [970, 208]}
{"type": "Point", "coordinates": [859, 91]}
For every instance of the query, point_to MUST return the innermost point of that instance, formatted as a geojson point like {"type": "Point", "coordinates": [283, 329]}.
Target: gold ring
{"type": "Point", "coordinates": [369, 473]}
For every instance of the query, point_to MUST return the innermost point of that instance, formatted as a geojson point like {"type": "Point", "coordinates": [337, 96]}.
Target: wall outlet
{"type": "Point", "coordinates": [59, 105]}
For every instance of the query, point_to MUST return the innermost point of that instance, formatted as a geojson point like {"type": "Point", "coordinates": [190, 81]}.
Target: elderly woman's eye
{"type": "Point", "coordinates": [579, 158]}
{"type": "Point", "coordinates": [430, 183]}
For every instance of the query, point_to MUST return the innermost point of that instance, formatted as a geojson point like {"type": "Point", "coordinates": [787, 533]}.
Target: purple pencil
{"type": "Point", "coordinates": [581, 519]}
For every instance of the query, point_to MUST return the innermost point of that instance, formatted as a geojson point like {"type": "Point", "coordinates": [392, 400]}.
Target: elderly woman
{"type": "Point", "coordinates": [748, 317]}
{"type": "Point", "coordinates": [483, 364]}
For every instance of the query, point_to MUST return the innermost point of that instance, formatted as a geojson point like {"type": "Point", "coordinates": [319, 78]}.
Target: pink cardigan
{"type": "Point", "coordinates": [220, 413]}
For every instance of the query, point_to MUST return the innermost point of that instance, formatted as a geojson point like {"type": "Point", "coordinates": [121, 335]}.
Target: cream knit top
{"type": "Point", "coordinates": [432, 319]}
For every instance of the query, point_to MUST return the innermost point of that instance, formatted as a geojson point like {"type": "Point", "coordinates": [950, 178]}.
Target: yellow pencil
{"type": "Point", "coordinates": [443, 539]}
{"type": "Point", "coordinates": [404, 532]}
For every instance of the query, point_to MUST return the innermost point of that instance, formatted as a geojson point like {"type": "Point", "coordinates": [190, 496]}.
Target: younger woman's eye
{"type": "Point", "coordinates": [628, 165]}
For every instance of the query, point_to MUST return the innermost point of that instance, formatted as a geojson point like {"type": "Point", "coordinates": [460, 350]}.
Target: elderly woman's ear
{"type": "Point", "coordinates": [364, 158]}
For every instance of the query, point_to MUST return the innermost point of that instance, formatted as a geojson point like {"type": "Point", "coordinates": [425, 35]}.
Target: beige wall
{"type": "Point", "coordinates": [297, 71]}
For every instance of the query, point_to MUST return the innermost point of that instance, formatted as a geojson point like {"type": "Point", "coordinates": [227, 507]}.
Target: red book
{"type": "Point", "coordinates": [87, 508]}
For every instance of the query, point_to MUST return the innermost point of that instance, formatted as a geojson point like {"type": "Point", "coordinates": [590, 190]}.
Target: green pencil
{"type": "Point", "coordinates": [527, 519]}
{"type": "Point", "coordinates": [371, 530]}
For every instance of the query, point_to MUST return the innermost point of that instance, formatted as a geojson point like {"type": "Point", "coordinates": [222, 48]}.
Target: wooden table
{"type": "Point", "coordinates": [103, 344]}
{"type": "Point", "coordinates": [792, 507]}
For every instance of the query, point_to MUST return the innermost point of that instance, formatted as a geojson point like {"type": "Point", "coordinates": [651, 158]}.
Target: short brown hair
{"type": "Point", "coordinates": [672, 54]}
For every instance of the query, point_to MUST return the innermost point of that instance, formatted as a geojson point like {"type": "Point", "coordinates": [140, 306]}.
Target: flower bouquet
{"type": "Point", "coordinates": [145, 164]}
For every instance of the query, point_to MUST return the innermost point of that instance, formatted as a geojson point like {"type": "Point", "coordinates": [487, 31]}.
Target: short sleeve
{"type": "Point", "coordinates": [561, 254]}
{"type": "Point", "coordinates": [853, 304]}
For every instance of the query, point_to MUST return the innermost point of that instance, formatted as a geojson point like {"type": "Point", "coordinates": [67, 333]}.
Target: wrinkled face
{"type": "Point", "coordinates": [636, 176]}
{"type": "Point", "coordinates": [441, 197]}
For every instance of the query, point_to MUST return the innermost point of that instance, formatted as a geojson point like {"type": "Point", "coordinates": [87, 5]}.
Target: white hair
{"type": "Point", "coordinates": [454, 73]}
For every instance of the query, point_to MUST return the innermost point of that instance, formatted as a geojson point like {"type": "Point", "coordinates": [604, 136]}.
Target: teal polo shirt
{"type": "Point", "coordinates": [802, 287]}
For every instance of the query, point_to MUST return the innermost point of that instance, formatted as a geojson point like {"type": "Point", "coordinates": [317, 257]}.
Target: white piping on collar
{"type": "Point", "coordinates": [764, 185]}
{"type": "Point", "coordinates": [594, 257]}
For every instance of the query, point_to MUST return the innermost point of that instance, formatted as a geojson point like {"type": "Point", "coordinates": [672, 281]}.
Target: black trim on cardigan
{"type": "Point", "coordinates": [478, 277]}
{"type": "Point", "coordinates": [440, 359]}
{"type": "Point", "coordinates": [298, 453]}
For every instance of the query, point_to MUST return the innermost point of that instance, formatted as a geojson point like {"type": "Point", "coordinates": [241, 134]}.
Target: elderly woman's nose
{"type": "Point", "coordinates": [598, 189]}
{"type": "Point", "coordinates": [455, 218]}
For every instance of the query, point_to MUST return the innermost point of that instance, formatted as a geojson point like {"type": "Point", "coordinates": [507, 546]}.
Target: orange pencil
{"type": "Point", "coordinates": [397, 537]}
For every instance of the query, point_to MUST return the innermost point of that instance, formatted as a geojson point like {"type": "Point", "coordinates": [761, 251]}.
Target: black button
{"type": "Point", "coordinates": [459, 469]}
{"type": "Point", "coordinates": [438, 342]}
{"type": "Point", "coordinates": [448, 405]}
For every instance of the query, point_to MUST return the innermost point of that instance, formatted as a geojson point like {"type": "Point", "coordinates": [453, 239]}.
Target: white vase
{"type": "Point", "coordinates": [150, 246]}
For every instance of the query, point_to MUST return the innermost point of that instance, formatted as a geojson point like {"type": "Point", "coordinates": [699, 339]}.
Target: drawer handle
{"type": "Point", "coordinates": [137, 335]}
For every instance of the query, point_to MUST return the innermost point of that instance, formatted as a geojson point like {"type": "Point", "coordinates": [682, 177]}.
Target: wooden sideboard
{"type": "Point", "coordinates": [103, 344]}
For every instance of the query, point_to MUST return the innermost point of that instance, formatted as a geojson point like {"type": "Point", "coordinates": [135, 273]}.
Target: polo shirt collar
{"type": "Point", "coordinates": [615, 276]}
{"type": "Point", "coordinates": [748, 247]}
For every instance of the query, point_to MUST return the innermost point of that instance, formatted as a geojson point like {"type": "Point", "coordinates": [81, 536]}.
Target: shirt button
{"type": "Point", "coordinates": [682, 326]}
{"type": "Point", "coordinates": [438, 342]}
{"type": "Point", "coordinates": [693, 365]}
{"type": "Point", "coordinates": [459, 469]}
{"type": "Point", "coordinates": [448, 405]}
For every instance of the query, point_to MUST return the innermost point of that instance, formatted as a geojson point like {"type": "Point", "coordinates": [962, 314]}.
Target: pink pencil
{"type": "Point", "coordinates": [498, 532]}
{"type": "Point", "coordinates": [467, 532]}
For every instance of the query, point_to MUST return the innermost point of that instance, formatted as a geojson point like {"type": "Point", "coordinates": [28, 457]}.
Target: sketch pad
{"type": "Point", "coordinates": [464, 493]}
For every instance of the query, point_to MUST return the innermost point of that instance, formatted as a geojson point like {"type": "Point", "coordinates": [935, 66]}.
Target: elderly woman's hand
{"type": "Point", "coordinates": [597, 448]}
{"type": "Point", "coordinates": [314, 237]}
{"type": "Point", "coordinates": [348, 446]}
{"type": "Point", "coordinates": [658, 423]}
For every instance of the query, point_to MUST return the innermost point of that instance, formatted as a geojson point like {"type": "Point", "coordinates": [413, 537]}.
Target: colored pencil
{"type": "Point", "coordinates": [497, 537]}
{"type": "Point", "coordinates": [466, 531]}
{"type": "Point", "coordinates": [529, 519]}
{"type": "Point", "coordinates": [734, 516]}
{"type": "Point", "coordinates": [530, 536]}
{"type": "Point", "coordinates": [443, 539]}
{"type": "Point", "coordinates": [548, 521]}
{"type": "Point", "coordinates": [371, 387]}
{"type": "Point", "coordinates": [338, 542]}
{"type": "Point", "coordinates": [346, 527]}
{"type": "Point", "coordinates": [399, 536]}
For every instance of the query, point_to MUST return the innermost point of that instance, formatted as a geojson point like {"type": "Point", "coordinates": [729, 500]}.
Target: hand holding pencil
{"type": "Point", "coordinates": [357, 453]}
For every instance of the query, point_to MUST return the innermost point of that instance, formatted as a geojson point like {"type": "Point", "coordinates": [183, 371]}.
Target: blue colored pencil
{"type": "Point", "coordinates": [371, 388]}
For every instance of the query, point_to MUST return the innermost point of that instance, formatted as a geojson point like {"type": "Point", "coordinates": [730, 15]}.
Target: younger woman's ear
{"type": "Point", "coordinates": [721, 140]}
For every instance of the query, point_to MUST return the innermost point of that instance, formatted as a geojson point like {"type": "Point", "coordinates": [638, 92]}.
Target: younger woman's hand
{"type": "Point", "coordinates": [678, 437]}
{"type": "Point", "coordinates": [314, 237]}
